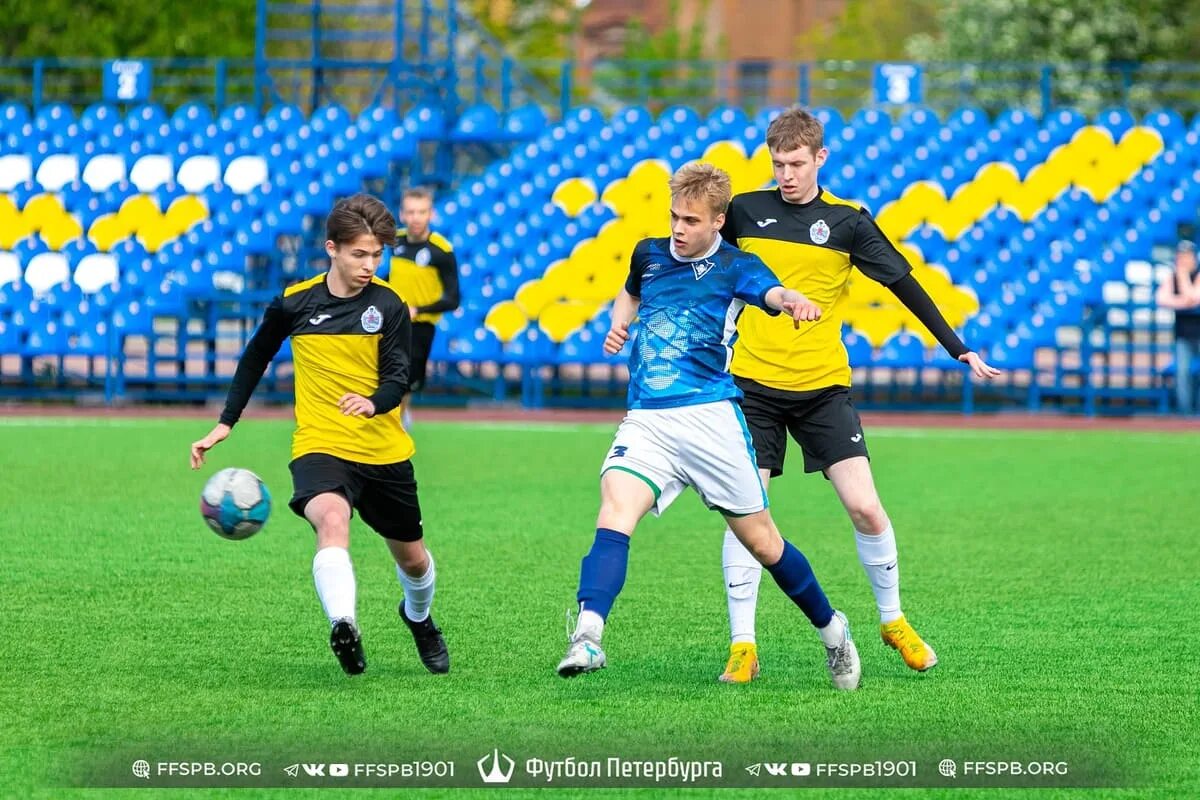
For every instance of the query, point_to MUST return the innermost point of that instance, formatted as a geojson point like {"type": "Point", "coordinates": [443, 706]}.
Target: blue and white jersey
{"type": "Point", "coordinates": [689, 310]}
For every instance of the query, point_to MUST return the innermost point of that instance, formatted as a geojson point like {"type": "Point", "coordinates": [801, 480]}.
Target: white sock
{"type": "Point", "coordinates": [418, 592]}
{"type": "Point", "coordinates": [878, 557]}
{"type": "Point", "coordinates": [742, 576]}
{"type": "Point", "coordinates": [833, 634]}
{"type": "Point", "coordinates": [590, 624]}
{"type": "Point", "coordinates": [334, 576]}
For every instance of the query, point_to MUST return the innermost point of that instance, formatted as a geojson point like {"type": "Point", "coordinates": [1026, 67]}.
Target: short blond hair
{"type": "Point", "coordinates": [793, 129]}
{"type": "Point", "coordinates": [417, 193]}
{"type": "Point", "coordinates": [700, 181]}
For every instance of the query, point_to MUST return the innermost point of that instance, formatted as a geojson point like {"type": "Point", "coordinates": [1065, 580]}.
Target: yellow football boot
{"type": "Point", "coordinates": [899, 635]}
{"type": "Point", "coordinates": [743, 663]}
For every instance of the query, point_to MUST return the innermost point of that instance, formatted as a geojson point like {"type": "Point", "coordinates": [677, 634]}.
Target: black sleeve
{"type": "Point", "coordinates": [874, 254]}
{"type": "Point", "coordinates": [633, 284]}
{"type": "Point", "coordinates": [918, 301]}
{"type": "Point", "coordinates": [447, 268]}
{"type": "Point", "coordinates": [394, 347]}
{"type": "Point", "coordinates": [262, 347]}
{"type": "Point", "coordinates": [729, 229]}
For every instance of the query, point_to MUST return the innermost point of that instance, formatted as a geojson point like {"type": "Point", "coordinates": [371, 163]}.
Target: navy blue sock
{"type": "Point", "coordinates": [794, 575]}
{"type": "Point", "coordinates": [602, 571]}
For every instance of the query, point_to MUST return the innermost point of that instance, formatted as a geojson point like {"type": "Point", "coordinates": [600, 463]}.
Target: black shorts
{"type": "Point", "coordinates": [823, 422]}
{"type": "Point", "coordinates": [422, 344]}
{"type": "Point", "coordinates": [385, 495]}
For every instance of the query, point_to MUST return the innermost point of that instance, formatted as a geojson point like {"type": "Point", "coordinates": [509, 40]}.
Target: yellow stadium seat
{"type": "Point", "coordinates": [731, 157]}
{"type": "Point", "coordinates": [862, 291]}
{"type": "Point", "coordinates": [876, 324]}
{"type": "Point", "coordinates": [505, 320]}
{"type": "Point", "coordinates": [557, 275]}
{"type": "Point", "coordinates": [1141, 144]}
{"type": "Point", "coordinates": [647, 184]}
{"type": "Point", "coordinates": [616, 195]}
{"type": "Point", "coordinates": [1090, 142]}
{"type": "Point", "coordinates": [185, 212]}
{"type": "Point", "coordinates": [559, 320]}
{"type": "Point", "coordinates": [535, 295]}
{"type": "Point", "coordinates": [8, 209]}
{"type": "Point", "coordinates": [42, 209]}
{"type": "Point", "coordinates": [573, 195]}
{"type": "Point", "coordinates": [108, 230]}
{"type": "Point", "coordinates": [999, 180]}
{"type": "Point", "coordinates": [138, 210]}
{"type": "Point", "coordinates": [13, 229]}
{"type": "Point", "coordinates": [596, 289]}
{"type": "Point", "coordinates": [759, 170]}
{"type": "Point", "coordinates": [57, 232]}
{"type": "Point", "coordinates": [951, 221]}
{"type": "Point", "coordinates": [154, 233]}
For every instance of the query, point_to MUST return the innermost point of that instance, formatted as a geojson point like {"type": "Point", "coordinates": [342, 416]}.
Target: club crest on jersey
{"type": "Point", "coordinates": [819, 232]}
{"type": "Point", "coordinates": [701, 268]}
{"type": "Point", "coordinates": [422, 257]}
{"type": "Point", "coordinates": [372, 320]}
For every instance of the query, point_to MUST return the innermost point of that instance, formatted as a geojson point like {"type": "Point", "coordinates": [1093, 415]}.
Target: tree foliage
{"type": "Point", "coordinates": [867, 30]}
{"type": "Point", "coordinates": [120, 28]}
{"type": "Point", "coordinates": [657, 68]}
{"type": "Point", "coordinates": [1094, 47]}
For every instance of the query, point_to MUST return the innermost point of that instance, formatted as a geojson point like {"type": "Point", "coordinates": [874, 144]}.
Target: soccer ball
{"type": "Point", "coordinates": [235, 503]}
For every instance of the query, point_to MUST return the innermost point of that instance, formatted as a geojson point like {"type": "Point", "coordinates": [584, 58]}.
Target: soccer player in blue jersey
{"type": "Point", "coordinates": [684, 426]}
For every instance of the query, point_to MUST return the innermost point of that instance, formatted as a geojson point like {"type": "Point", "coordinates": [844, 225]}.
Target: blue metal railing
{"type": "Point", "coordinates": [483, 75]}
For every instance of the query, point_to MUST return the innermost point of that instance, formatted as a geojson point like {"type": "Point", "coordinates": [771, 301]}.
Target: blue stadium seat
{"type": "Point", "coordinates": [902, 351]}
{"type": "Point", "coordinates": [479, 123]}
{"type": "Point", "coordinates": [191, 118]}
{"type": "Point", "coordinates": [425, 122]}
{"type": "Point", "coordinates": [377, 120]}
{"type": "Point", "coordinates": [525, 123]}
{"type": "Point", "coordinates": [13, 117]}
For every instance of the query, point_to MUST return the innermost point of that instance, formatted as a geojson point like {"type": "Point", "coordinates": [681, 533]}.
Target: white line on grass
{"type": "Point", "coordinates": [82, 422]}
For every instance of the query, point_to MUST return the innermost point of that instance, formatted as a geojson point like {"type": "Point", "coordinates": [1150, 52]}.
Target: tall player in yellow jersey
{"type": "Point", "coordinates": [425, 272]}
{"type": "Point", "coordinates": [798, 381]}
{"type": "Point", "coordinates": [350, 345]}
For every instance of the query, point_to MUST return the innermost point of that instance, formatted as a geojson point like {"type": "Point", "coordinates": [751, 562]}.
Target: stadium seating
{"type": "Point", "coordinates": [1013, 224]}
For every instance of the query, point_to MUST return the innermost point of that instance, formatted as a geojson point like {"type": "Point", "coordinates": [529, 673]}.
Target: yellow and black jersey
{"type": "Point", "coordinates": [811, 247]}
{"type": "Point", "coordinates": [426, 275]}
{"type": "Point", "coordinates": [354, 344]}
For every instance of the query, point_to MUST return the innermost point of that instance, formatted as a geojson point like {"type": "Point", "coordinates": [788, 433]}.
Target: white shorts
{"type": "Point", "coordinates": [707, 447]}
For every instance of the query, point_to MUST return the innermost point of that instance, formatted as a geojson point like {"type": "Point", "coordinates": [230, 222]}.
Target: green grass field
{"type": "Point", "coordinates": [1055, 574]}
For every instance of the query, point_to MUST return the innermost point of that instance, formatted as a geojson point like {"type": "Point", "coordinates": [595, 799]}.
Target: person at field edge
{"type": "Point", "coordinates": [1181, 293]}
{"type": "Point", "coordinates": [424, 270]}
{"type": "Point", "coordinates": [798, 382]}
{"type": "Point", "coordinates": [350, 344]}
{"type": "Point", "coordinates": [684, 427]}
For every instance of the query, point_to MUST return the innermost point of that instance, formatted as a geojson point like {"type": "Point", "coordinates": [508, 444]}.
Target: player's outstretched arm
{"type": "Point", "coordinates": [794, 304]}
{"type": "Point", "coordinates": [624, 311]}
{"type": "Point", "coordinates": [259, 351]}
{"type": "Point", "coordinates": [200, 448]}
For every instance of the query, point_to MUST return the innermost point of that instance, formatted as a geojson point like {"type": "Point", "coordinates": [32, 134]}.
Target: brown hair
{"type": "Point", "coordinates": [700, 181]}
{"type": "Point", "coordinates": [353, 216]}
{"type": "Point", "coordinates": [417, 193]}
{"type": "Point", "coordinates": [793, 129]}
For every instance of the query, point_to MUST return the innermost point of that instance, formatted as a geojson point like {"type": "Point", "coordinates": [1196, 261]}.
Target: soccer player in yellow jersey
{"type": "Point", "coordinates": [798, 381]}
{"type": "Point", "coordinates": [425, 272]}
{"type": "Point", "coordinates": [350, 345]}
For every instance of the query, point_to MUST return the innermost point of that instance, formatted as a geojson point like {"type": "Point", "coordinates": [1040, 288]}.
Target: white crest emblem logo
{"type": "Point", "coordinates": [701, 268]}
{"type": "Point", "coordinates": [819, 232]}
{"type": "Point", "coordinates": [423, 256]}
{"type": "Point", "coordinates": [496, 774]}
{"type": "Point", "coordinates": [372, 320]}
